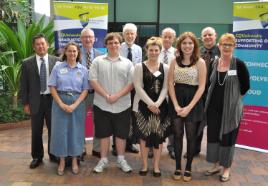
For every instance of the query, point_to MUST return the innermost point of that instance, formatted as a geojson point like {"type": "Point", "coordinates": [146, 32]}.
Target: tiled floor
{"type": "Point", "coordinates": [249, 168]}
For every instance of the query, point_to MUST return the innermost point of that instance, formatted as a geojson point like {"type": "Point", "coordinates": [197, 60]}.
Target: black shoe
{"type": "Point", "coordinates": [83, 155]}
{"type": "Point", "coordinates": [143, 172]}
{"type": "Point", "coordinates": [114, 152]}
{"type": "Point", "coordinates": [132, 149]}
{"type": "Point", "coordinates": [53, 159]}
{"type": "Point", "coordinates": [172, 154]}
{"type": "Point", "coordinates": [35, 163]}
{"type": "Point", "coordinates": [150, 153]}
{"type": "Point", "coordinates": [156, 174]}
{"type": "Point", "coordinates": [96, 154]}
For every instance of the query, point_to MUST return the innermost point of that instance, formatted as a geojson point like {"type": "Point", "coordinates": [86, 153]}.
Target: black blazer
{"type": "Point", "coordinates": [30, 82]}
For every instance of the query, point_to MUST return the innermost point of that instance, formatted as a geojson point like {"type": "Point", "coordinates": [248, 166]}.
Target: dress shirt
{"type": "Point", "coordinates": [136, 52]}
{"type": "Point", "coordinates": [66, 78]}
{"type": "Point", "coordinates": [39, 61]}
{"type": "Point", "coordinates": [84, 56]}
{"type": "Point", "coordinates": [170, 54]}
{"type": "Point", "coordinates": [112, 76]}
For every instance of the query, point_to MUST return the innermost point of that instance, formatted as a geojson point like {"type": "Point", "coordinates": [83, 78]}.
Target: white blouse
{"type": "Point", "coordinates": [141, 94]}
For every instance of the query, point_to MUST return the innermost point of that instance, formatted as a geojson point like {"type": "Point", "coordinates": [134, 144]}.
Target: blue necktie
{"type": "Point", "coordinates": [129, 54]}
{"type": "Point", "coordinates": [43, 75]}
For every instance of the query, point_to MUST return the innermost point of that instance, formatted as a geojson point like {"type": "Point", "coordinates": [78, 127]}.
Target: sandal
{"type": "Point", "coordinates": [224, 178]}
{"type": "Point", "coordinates": [177, 175]}
{"type": "Point", "coordinates": [187, 176]}
{"type": "Point", "coordinates": [212, 172]}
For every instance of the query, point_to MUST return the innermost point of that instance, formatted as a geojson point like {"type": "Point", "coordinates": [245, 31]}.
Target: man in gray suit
{"type": "Point", "coordinates": [36, 97]}
{"type": "Point", "coordinates": [88, 54]}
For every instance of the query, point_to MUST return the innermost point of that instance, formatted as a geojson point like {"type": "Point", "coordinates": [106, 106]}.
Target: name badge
{"type": "Point", "coordinates": [63, 71]}
{"type": "Point", "coordinates": [232, 73]}
{"type": "Point", "coordinates": [157, 73]}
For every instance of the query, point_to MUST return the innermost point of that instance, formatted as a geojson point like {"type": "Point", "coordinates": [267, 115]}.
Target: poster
{"type": "Point", "coordinates": [250, 27]}
{"type": "Point", "coordinates": [71, 17]}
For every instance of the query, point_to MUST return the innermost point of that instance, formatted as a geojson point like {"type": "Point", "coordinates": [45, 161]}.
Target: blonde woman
{"type": "Point", "coordinates": [150, 81]}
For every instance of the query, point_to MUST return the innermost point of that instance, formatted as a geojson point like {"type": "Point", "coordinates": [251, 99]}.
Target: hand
{"type": "Point", "coordinates": [178, 110]}
{"type": "Point", "coordinates": [154, 109]}
{"type": "Point", "coordinates": [26, 109]}
{"type": "Point", "coordinates": [112, 98]}
{"type": "Point", "coordinates": [64, 107]}
{"type": "Point", "coordinates": [71, 108]}
{"type": "Point", "coordinates": [185, 111]}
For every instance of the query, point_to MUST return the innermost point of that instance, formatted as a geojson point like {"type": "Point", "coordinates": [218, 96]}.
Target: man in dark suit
{"type": "Point", "coordinates": [35, 95]}
{"type": "Point", "coordinates": [88, 53]}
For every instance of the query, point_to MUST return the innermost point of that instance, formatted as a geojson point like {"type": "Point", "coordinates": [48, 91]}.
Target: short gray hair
{"type": "Point", "coordinates": [168, 29]}
{"type": "Point", "coordinates": [208, 28]}
{"type": "Point", "coordinates": [87, 29]}
{"type": "Point", "coordinates": [130, 26]}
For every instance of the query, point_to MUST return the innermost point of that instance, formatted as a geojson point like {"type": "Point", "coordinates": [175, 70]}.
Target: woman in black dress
{"type": "Point", "coordinates": [186, 84]}
{"type": "Point", "coordinates": [229, 81]}
{"type": "Point", "coordinates": [150, 104]}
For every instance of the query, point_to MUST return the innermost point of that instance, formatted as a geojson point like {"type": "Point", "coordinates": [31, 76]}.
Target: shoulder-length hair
{"type": "Point", "coordinates": [64, 57]}
{"type": "Point", "coordinates": [196, 53]}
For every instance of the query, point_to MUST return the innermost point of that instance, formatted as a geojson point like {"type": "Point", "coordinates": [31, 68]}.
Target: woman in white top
{"type": "Point", "coordinates": [150, 81]}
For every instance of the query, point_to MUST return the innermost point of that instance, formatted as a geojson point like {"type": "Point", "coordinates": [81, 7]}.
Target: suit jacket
{"type": "Point", "coordinates": [97, 53]}
{"type": "Point", "coordinates": [30, 82]}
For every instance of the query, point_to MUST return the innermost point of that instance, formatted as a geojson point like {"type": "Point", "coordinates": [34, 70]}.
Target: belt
{"type": "Point", "coordinates": [91, 91]}
{"type": "Point", "coordinates": [45, 95]}
{"type": "Point", "coordinates": [68, 93]}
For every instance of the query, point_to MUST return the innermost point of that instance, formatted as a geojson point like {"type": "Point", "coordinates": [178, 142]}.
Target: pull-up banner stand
{"type": "Point", "coordinates": [250, 27]}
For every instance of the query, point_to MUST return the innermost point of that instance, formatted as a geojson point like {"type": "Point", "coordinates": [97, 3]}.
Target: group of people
{"type": "Point", "coordinates": [176, 88]}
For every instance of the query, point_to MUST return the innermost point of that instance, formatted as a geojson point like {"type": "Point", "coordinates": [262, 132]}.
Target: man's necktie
{"type": "Point", "coordinates": [207, 57]}
{"type": "Point", "coordinates": [129, 54]}
{"type": "Point", "coordinates": [43, 75]}
{"type": "Point", "coordinates": [165, 59]}
{"type": "Point", "coordinates": [88, 60]}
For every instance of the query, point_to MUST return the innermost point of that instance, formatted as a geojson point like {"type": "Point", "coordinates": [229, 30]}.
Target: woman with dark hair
{"type": "Point", "coordinates": [229, 82]}
{"type": "Point", "coordinates": [69, 86]}
{"type": "Point", "coordinates": [186, 84]}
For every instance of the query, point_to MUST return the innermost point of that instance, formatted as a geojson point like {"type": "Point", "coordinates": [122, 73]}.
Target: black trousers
{"type": "Point", "coordinates": [37, 122]}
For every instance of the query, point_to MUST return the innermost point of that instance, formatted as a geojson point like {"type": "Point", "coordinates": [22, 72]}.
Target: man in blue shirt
{"type": "Point", "coordinates": [133, 52]}
{"type": "Point", "coordinates": [88, 53]}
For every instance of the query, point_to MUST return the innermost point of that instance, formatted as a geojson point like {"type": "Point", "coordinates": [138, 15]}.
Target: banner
{"type": "Point", "coordinates": [250, 27]}
{"type": "Point", "coordinates": [72, 17]}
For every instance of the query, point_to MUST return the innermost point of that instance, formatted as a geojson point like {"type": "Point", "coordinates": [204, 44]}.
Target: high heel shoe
{"type": "Point", "coordinates": [156, 174]}
{"type": "Point", "coordinates": [143, 172]}
{"type": "Point", "coordinates": [187, 176]}
{"type": "Point", "coordinates": [177, 175]}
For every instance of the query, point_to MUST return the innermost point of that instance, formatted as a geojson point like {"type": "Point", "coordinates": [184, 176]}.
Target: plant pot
{"type": "Point", "coordinates": [6, 126]}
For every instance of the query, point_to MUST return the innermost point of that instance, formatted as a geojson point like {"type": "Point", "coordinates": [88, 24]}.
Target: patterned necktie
{"type": "Point", "coordinates": [43, 75]}
{"type": "Point", "coordinates": [165, 59]}
{"type": "Point", "coordinates": [129, 54]}
{"type": "Point", "coordinates": [207, 57]}
{"type": "Point", "coordinates": [88, 60]}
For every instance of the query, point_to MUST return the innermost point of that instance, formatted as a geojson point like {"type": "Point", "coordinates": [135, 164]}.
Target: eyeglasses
{"type": "Point", "coordinates": [227, 45]}
{"type": "Point", "coordinates": [87, 37]}
{"type": "Point", "coordinates": [113, 43]}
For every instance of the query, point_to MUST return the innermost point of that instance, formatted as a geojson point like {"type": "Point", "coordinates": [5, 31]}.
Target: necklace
{"type": "Point", "coordinates": [225, 76]}
{"type": "Point", "coordinates": [221, 84]}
